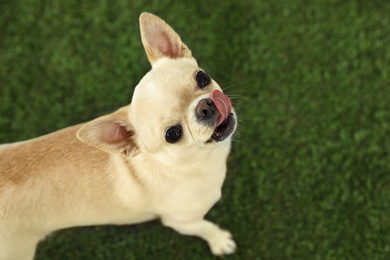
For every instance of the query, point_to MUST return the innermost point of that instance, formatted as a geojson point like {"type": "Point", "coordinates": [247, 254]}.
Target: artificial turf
{"type": "Point", "coordinates": [309, 172]}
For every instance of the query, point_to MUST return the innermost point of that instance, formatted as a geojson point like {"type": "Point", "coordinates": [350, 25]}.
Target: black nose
{"type": "Point", "coordinates": [206, 110]}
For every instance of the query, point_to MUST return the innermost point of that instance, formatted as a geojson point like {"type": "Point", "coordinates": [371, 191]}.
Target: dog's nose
{"type": "Point", "coordinates": [206, 109]}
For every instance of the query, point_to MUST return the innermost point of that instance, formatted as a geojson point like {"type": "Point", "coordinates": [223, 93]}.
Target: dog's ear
{"type": "Point", "coordinates": [112, 133]}
{"type": "Point", "coordinates": [160, 40]}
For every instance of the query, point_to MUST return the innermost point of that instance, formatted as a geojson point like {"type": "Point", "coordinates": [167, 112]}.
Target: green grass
{"type": "Point", "coordinates": [309, 173]}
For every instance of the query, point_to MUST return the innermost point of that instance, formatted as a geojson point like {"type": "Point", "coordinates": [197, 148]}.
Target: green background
{"type": "Point", "coordinates": [309, 172]}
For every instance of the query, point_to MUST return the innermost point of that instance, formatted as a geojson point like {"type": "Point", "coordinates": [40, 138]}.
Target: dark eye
{"type": "Point", "coordinates": [173, 134]}
{"type": "Point", "coordinates": [202, 79]}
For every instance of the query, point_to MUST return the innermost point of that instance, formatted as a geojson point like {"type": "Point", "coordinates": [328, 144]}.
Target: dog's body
{"type": "Point", "coordinates": [119, 168]}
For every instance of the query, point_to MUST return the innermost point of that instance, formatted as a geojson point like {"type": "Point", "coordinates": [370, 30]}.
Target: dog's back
{"type": "Point", "coordinates": [36, 183]}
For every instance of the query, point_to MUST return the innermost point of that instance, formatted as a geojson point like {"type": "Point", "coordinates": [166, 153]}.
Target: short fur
{"type": "Point", "coordinates": [118, 168]}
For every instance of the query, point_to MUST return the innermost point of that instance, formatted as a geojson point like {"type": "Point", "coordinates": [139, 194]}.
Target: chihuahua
{"type": "Point", "coordinates": [161, 157]}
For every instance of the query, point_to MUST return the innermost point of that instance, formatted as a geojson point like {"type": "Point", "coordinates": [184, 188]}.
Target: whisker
{"type": "Point", "coordinates": [233, 95]}
{"type": "Point", "coordinates": [236, 96]}
{"type": "Point", "coordinates": [235, 84]}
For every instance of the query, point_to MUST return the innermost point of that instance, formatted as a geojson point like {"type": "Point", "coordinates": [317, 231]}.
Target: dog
{"type": "Point", "coordinates": [161, 157]}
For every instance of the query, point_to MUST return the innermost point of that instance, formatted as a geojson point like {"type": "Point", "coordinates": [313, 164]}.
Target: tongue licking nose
{"type": "Point", "coordinates": [223, 105]}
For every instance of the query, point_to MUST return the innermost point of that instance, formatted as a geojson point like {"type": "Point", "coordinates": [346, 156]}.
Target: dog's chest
{"type": "Point", "coordinates": [192, 194]}
{"type": "Point", "coordinates": [187, 189]}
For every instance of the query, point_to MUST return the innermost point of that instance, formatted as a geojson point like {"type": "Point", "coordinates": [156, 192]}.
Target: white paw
{"type": "Point", "coordinates": [222, 243]}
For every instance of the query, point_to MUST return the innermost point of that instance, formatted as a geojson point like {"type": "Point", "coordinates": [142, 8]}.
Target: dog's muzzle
{"type": "Point", "coordinates": [216, 112]}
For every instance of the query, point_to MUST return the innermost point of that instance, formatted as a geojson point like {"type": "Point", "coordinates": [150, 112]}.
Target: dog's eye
{"type": "Point", "coordinates": [173, 134]}
{"type": "Point", "coordinates": [202, 79]}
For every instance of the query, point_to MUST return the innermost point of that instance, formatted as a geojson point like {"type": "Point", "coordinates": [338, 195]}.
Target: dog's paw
{"type": "Point", "coordinates": [222, 243]}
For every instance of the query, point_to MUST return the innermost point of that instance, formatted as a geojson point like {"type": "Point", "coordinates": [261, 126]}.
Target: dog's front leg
{"type": "Point", "coordinates": [219, 240]}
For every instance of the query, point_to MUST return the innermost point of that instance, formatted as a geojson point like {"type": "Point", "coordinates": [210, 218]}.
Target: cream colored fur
{"type": "Point", "coordinates": [119, 169]}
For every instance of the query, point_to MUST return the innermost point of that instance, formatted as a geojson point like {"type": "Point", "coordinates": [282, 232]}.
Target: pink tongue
{"type": "Point", "coordinates": [223, 104]}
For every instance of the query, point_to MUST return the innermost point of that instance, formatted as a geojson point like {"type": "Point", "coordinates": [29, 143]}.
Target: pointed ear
{"type": "Point", "coordinates": [160, 40]}
{"type": "Point", "coordinates": [112, 133]}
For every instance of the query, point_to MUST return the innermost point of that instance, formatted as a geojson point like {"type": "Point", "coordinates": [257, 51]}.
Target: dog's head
{"type": "Point", "coordinates": [176, 105]}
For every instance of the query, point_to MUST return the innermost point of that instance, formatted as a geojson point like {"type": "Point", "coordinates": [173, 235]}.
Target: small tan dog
{"type": "Point", "coordinates": [163, 156]}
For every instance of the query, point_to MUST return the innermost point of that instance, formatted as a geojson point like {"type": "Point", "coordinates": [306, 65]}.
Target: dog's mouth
{"type": "Point", "coordinates": [226, 122]}
{"type": "Point", "coordinates": [224, 130]}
